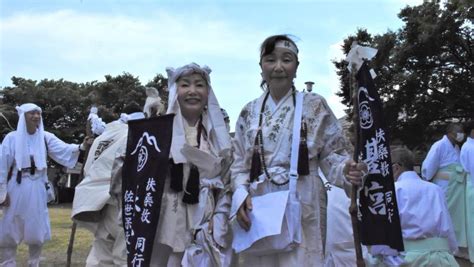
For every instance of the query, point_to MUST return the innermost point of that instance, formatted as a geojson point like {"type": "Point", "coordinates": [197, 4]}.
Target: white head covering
{"type": "Point", "coordinates": [23, 138]}
{"type": "Point", "coordinates": [97, 125]}
{"type": "Point", "coordinates": [125, 118]}
{"type": "Point", "coordinates": [211, 118]}
{"type": "Point", "coordinates": [153, 101]}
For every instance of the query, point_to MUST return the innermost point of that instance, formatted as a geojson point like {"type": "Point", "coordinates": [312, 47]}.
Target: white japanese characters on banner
{"type": "Point", "coordinates": [379, 223]}
{"type": "Point", "coordinates": [143, 178]}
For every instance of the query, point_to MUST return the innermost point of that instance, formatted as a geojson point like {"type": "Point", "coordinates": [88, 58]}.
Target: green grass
{"type": "Point", "coordinates": [55, 251]}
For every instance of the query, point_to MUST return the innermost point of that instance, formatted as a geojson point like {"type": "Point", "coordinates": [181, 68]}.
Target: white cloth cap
{"type": "Point", "coordinates": [153, 100]}
{"type": "Point", "coordinates": [23, 138]}
{"type": "Point", "coordinates": [97, 125]}
{"type": "Point", "coordinates": [124, 117]}
{"type": "Point", "coordinates": [212, 118]}
{"type": "Point", "coordinates": [357, 54]}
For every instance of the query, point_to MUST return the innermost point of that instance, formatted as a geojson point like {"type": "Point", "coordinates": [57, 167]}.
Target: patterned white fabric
{"type": "Point", "coordinates": [326, 146]}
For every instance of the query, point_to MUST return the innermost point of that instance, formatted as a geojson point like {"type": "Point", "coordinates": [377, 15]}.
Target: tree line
{"type": "Point", "coordinates": [424, 70]}
{"type": "Point", "coordinates": [66, 104]}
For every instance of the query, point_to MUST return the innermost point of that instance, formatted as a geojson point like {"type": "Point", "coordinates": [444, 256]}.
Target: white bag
{"type": "Point", "coordinates": [51, 196]}
{"type": "Point", "coordinates": [281, 231]}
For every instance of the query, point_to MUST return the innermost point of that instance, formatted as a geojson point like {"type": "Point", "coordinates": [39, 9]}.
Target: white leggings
{"type": "Point", "coordinates": [8, 256]}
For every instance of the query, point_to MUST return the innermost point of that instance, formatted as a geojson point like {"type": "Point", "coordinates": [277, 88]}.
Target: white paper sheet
{"type": "Point", "coordinates": [266, 218]}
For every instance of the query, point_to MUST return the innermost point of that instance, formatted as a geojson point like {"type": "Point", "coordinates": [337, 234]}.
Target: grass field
{"type": "Point", "coordinates": [54, 251]}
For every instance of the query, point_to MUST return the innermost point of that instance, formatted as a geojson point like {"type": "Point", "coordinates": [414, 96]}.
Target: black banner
{"type": "Point", "coordinates": [143, 178]}
{"type": "Point", "coordinates": [379, 223]}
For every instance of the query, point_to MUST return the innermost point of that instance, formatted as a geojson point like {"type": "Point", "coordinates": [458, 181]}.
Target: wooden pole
{"type": "Point", "coordinates": [70, 246]}
{"type": "Point", "coordinates": [353, 206]}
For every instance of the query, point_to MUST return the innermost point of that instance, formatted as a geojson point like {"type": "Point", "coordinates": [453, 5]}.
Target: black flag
{"type": "Point", "coordinates": [379, 223]}
{"type": "Point", "coordinates": [143, 178]}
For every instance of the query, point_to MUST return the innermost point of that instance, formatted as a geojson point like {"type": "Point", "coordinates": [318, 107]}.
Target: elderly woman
{"type": "Point", "coordinates": [262, 151]}
{"type": "Point", "coordinates": [23, 173]}
{"type": "Point", "coordinates": [196, 198]}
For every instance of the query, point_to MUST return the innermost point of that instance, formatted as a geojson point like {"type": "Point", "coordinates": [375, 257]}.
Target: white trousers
{"type": "Point", "coordinates": [108, 248]}
{"type": "Point", "coordinates": [8, 256]}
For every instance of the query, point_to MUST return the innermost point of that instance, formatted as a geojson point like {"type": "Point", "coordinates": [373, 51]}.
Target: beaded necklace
{"type": "Point", "coordinates": [259, 137]}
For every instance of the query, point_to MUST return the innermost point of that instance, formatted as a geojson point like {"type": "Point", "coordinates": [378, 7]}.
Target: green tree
{"type": "Point", "coordinates": [66, 104]}
{"type": "Point", "coordinates": [424, 70]}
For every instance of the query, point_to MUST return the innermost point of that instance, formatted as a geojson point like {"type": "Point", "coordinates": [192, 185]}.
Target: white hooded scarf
{"type": "Point", "coordinates": [23, 138]}
{"type": "Point", "coordinates": [212, 118]}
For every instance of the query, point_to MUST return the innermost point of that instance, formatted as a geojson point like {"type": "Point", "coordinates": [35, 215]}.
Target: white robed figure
{"type": "Point", "coordinates": [428, 233]}
{"type": "Point", "coordinates": [272, 114]}
{"type": "Point", "coordinates": [93, 207]}
{"type": "Point", "coordinates": [193, 226]}
{"type": "Point", "coordinates": [23, 154]}
{"type": "Point", "coordinates": [467, 161]}
{"type": "Point", "coordinates": [193, 223]}
{"type": "Point", "coordinates": [443, 167]}
{"type": "Point", "coordinates": [340, 249]}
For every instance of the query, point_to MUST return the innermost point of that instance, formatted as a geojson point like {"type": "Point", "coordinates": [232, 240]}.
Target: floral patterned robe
{"type": "Point", "coordinates": [326, 146]}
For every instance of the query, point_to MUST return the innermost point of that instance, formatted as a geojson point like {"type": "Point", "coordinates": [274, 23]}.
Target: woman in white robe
{"type": "Point", "coordinates": [23, 155]}
{"type": "Point", "coordinates": [272, 114]}
{"type": "Point", "coordinates": [193, 222]}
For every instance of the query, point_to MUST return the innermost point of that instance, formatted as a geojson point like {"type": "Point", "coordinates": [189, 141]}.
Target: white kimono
{"type": "Point", "coordinates": [467, 157]}
{"type": "Point", "coordinates": [441, 154]}
{"type": "Point", "coordinates": [26, 219]}
{"type": "Point", "coordinates": [467, 161]}
{"type": "Point", "coordinates": [340, 249]}
{"type": "Point", "coordinates": [443, 167]}
{"type": "Point", "coordinates": [179, 222]}
{"type": "Point", "coordinates": [428, 233]}
{"type": "Point", "coordinates": [326, 146]}
{"type": "Point", "coordinates": [93, 208]}
{"type": "Point", "coordinates": [413, 196]}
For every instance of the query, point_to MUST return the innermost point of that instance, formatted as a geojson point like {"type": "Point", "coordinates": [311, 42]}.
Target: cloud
{"type": "Point", "coordinates": [83, 47]}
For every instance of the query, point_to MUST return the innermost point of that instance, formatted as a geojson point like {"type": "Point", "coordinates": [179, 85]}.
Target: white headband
{"type": "Point", "coordinates": [285, 44]}
{"type": "Point", "coordinates": [27, 108]}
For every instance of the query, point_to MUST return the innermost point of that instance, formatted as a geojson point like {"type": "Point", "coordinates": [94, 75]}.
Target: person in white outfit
{"type": "Point", "coordinates": [443, 167]}
{"type": "Point", "coordinates": [262, 151]}
{"type": "Point", "coordinates": [427, 230]}
{"type": "Point", "coordinates": [193, 223]}
{"type": "Point", "coordinates": [23, 175]}
{"type": "Point", "coordinates": [467, 162]}
{"type": "Point", "coordinates": [93, 207]}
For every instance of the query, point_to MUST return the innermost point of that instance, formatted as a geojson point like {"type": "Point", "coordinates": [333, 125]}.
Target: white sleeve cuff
{"type": "Point", "coordinates": [238, 198]}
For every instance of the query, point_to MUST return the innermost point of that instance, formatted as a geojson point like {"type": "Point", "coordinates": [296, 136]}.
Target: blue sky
{"type": "Point", "coordinates": [84, 40]}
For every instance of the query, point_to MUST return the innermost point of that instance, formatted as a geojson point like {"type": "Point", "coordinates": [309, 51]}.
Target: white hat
{"type": "Point", "coordinates": [212, 117]}
{"type": "Point", "coordinates": [22, 138]}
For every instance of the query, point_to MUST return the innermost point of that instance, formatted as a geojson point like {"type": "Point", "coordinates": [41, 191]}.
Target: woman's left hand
{"type": "Point", "coordinates": [355, 172]}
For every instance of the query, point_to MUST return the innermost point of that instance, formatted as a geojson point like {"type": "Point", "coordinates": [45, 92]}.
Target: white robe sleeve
{"type": "Point", "coordinates": [240, 171]}
{"type": "Point", "coordinates": [6, 157]}
{"type": "Point", "coordinates": [333, 154]}
{"type": "Point", "coordinates": [6, 160]}
{"type": "Point", "coordinates": [431, 163]}
{"type": "Point", "coordinates": [61, 152]}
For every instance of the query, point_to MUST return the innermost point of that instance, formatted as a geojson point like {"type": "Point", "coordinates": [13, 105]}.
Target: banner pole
{"type": "Point", "coordinates": [353, 207]}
